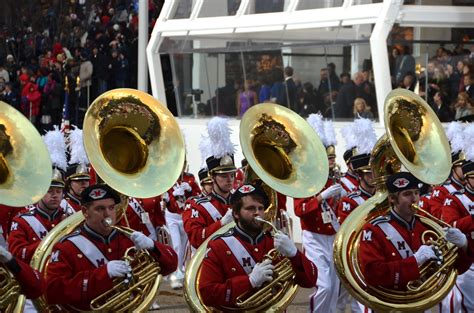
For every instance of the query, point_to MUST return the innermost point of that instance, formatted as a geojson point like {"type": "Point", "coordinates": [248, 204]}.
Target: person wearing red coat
{"type": "Point", "coordinates": [84, 264]}
{"type": "Point", "coordinates": [349, 181]}
{"type": "Point", "coordinates": [7, 213]}
{"type": "Point", "coordinates": [234, 264]}
{"type": "Point", "coordinates": [28, 229]}
{"type": "Point", "coordinates": [391, 250]}
{"type": "Point", "coordinates": [31, 281]}
{"type": "Point", "coordinates": [77, 179]}
{"type": "Point", "coordinates": [319, 223]}
{"type": "Point", "coordinates": [203, 216]}
{"type": "Point", "coordinates": [455, 183]}
{"type": "Point", "coordinates": [364, 191]}
{"type": "Point", "coordinates": [31, 101]}
{"type": "Point", "coordinates": [458, 210]}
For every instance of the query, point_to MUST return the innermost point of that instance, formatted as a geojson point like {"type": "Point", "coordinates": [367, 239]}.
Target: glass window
{"type": "Point", "coordinates": [322, 4]}
{"type": "Point", "coordinates": [211, 8]}
{"type": "Point", "coordinates": [265, 6]}
{"type": "Point", "coordinates": [182, 9]}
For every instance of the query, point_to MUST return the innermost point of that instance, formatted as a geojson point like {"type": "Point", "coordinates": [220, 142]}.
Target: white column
{"type": "Point", "coordinates": [378, 48]}
{"type": "Point", "coordinates": [142, 43]}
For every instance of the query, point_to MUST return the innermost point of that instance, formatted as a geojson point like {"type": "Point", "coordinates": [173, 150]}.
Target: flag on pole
{"type": "Point", "coordinates": [65, 118]}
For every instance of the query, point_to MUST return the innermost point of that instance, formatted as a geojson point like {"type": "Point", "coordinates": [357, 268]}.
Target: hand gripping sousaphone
{"type": "Point", "coordinates": [286, 155]}
{"type": "Point", "coordinates": [135, 145]}
{"type": "Point", "coordinates": [415, 138]}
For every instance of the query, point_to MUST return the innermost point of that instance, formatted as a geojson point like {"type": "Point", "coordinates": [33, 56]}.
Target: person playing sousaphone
{"type": "Point", "coordinates": [84, 264]}
{"type": "Point", "coordinates": [234, 263]}
{"type": "Point", "coordinates": [391, 249]}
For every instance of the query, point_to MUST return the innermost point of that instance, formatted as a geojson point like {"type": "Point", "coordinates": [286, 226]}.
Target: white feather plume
{"type": "Point", "coordinates": [76, 147]}
{"type": "Point", "coordinates": [455, 135]}
{"type": "Point", "coordinates": [469, 141]}
{"type": "Point", "coordinates": [219, 136]}
{"type": "Point", "coordinates": [349, 135]}
{"type": "Point", "coordinates": [365, 135]}
{"type": "Point", "coordinates": [56, 145]}
{"type": "Point", "coordinates": [316, 122]}
{"type": "Point", "coordinates": [205, 149]}
{"type": "Point", "coordinates": [329, 133]}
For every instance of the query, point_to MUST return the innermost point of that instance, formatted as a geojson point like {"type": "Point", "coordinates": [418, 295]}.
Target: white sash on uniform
{"type": "Point", "coordinates": [358, 199]}
{"type": "Point", "coordinates": [450, 188]}
{"type": "Point", "coordinates": [67, 208]}
{"type": "Point", "coordinates": [138, 209]}
{"type": "Point", "coordinates": [36, 225]}
{"type": "Point", "coordinates": [348, 183]}
{"type": "Point", "coordinates": [213, 212]}
{"type": "Point", "coordinates": [396, 239]}
{"type": "Point", "coordinates": [240, 253]}
{"type": "Point", "coordinates": [466, 202]}
{"type": "Point", "coordinates": [89, 250]}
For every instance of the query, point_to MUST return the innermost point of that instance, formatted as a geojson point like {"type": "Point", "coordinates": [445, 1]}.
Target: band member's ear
{"type": "Point", "coordinates": [84, 211]}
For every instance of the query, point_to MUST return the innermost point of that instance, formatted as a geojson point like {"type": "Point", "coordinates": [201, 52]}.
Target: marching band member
{"type": "Point", "coordinates": [84, 264]}
{"type": "Point", "coordinates": [234, 264]}
{"type": "Point", "coordinates": [458, 210]}
{"type": "Point", "coordinates": [185, 188]}
{"type": "Point", "coordinates": [349, 181]}
{"type": "Point", "coordinates": [391, 249]}
{"type": "Point", "coordinates": [205, 181]}
{"type": "Point", "coordinates": [203, 216]}
{"type": "Point", "coordinates": [31, 281]}
{"type": "Point", "coordinates": [319, 224]}
{"type": "Point", "coordinates": [456, 181]}
{"type": "Point", "coordinates": [77, 174]}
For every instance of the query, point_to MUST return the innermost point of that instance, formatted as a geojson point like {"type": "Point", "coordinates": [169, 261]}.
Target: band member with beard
{"type": "Point", "coordinates": [391, 250]}
{"type": "Point", "coordinates": [203, 216]}
{"type": "Point", "coordinates": [234, 265]}
{"type": "Point", "coordinates": [84, 264]}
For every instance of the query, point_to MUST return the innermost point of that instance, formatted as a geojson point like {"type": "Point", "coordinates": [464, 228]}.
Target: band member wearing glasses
{"type": "Point", "coordinates": [234, 263]}
{"type": "Point", "coordinates": [391, 250]}
{"type": "Point", "coordinates": [84, 264]}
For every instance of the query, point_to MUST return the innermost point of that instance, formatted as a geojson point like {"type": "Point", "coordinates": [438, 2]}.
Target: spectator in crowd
{"type": "Point", "coordinates": [265, 90]}
{"type": "Point", "coordinates": [288, 96]}
{"type": "Point", "coordinates": [246, 98]}
{"type": "Point", "coordinates": [345, 78]}
{"type": "Point", "coordinates": [464, 106]}
{"type": "Point", "coordinates": [277, 91]}
{"type": "Point", "coordinates": [404, 64]}
{"type": "Point", "coordinates": [441, 107]}
{"type": "Point", "coordinates": [468, 85]}
{"type": "Point", "coordinates": [4, 74]}
{"type": "Point", "coordinates": [309, 101]}
{"type": "Point", "coordinates": [346, 96]}
{"type": "Point", "coordinates": [408, 82]}
{"type": "Point", "coordinates": [10, 96]}
{"type": "Point", "coordinates": [226, 99]}
{"type": "Point", "coordinates": [361, 110]}
{"type": "Point", "coordinates": [99, 72]}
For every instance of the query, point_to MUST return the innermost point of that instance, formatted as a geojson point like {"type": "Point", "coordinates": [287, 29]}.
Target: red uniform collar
{"type": "Point", "coordinates": [397, 218]}
{"type": "Point", "coordinates": [73, 198]}
{"type": "Point", "coordinates": [44, 214]}
{"type": "Point", "coordinates": [220, 198]}
{"type": "Point", "coordinates": [240, 233]}
{"type": "Point", "coordinates": [98, 237]}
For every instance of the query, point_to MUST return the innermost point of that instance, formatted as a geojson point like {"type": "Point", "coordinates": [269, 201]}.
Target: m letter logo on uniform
{"type": "Point", "coordinates": [194, 213]}
{"type": "Point", "coordinates": [246, 262]}
{"type": "Point", "coordinates": [448, 201]}
{"type": "Point", "coordinates": [401, 245]}
{"type": "Point", "coordinates": [54, 256]}
{"type": "Point", "coordinates": [346, 206]}
{"type": "Point", "coordinates": [100, 262]}
{"type": "Point", "coordinates": [367, 235]}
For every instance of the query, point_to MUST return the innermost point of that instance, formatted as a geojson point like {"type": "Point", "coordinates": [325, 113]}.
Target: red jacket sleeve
{"type": "Point", "coordinates": [20, 244]}
{"type": "Point", "coordinates": [166, 256]}
{"type": "Point", "coordinates": [215, 290]}
{"type": "Point", "coordinates": [455, 214]}
{"type": "Point", "coordinates": [65, 284]}
{"type": "Point", "coordinates": [305, 205]}
{"type": "Point", "coordinates": [305, 270]}
{"type": "Point", "coordinates": [196, 227]}
{"type": "Point", "coordinates": [376, 266]}
{"type": "Point", "coordinates": [31, 282]}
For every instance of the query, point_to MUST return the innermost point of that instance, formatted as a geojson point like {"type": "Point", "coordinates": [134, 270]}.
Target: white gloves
{"type": "Point", "coordinates": [186, 187]}
{"type": "Point", "coordinates": [165, 197]}
{"type": "Point", "coordinates": [456, 237]}
{"type": "Point", "coordinates": [284, 245]}
{"type": "Point", "coordinates": [332, 192]}
{"type": "Point", "coordinates": [178, 192]}
{"type": "Point", "coordinates": [424, 254]}
{"type": "Point", "coordinates": [141, 241]}
{"type": "Point", "coordinates": [261, 273]}
{"type": "Point", "coordinates": [118, 268]}
{"type": "Point", "coordinates": [227, 218]}
{"type": "Point", "coordinates": [5, 255]}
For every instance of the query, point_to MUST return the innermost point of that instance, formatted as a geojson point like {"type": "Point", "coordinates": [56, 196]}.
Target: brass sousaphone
{"type": "Point", "coordinates": [135, 145]}
{"type": "Point", "coordinates": [284, 152]}
{"type": "Point", "coordinates": [415, 139]}
{"type": "Point", "coordinates": [25, 176]}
